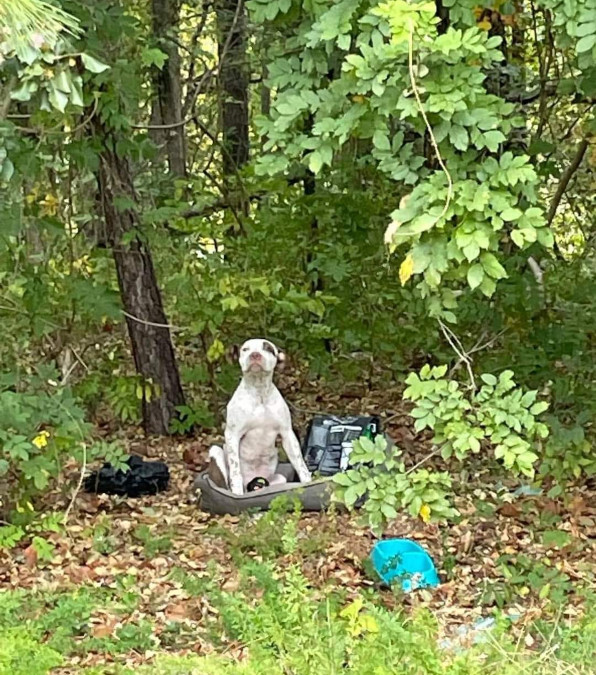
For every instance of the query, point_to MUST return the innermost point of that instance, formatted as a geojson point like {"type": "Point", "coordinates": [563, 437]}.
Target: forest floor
{"type": "Point", "coordinates": [125, 579]}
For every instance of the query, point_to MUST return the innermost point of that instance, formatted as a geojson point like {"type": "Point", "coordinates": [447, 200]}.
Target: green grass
{"type": "Point", "coordinates": [287, 628]}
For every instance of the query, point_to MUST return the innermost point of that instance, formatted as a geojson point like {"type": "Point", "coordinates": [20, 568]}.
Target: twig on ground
{"type": "Point", "coordinates": [78, 487]}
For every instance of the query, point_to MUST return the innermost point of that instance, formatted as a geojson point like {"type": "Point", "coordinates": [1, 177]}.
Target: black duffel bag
{"type": "Point", "coordinates": [142, 478]}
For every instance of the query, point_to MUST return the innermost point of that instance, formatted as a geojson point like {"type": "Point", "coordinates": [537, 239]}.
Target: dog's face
{"type": "Point", "coordinates": [259, 356]}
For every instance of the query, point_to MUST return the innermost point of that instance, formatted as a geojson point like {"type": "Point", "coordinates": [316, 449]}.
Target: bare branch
{"type": "Point", "coordinates": [458, 348]}
{"type": "Point", "coordinates": [565, 178]}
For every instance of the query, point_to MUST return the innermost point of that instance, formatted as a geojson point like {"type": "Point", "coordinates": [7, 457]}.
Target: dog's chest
{"type": "Point", "coordinates": [264, 419]}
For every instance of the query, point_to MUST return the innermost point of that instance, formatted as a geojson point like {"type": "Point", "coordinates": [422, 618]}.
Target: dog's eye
{"type": "Point", "coordinates": [268, 347]}
{"type": "Point", "coordinates": [245, 349]}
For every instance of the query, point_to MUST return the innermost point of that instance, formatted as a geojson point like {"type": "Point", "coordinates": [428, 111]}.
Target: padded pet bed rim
{"type": "Point", "coordinates": [272, 489]}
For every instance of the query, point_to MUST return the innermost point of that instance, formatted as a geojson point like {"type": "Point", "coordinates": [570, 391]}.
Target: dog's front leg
{"type": "Point", "coordinates": [232, 438]}
{"type": "Point", "coordinates": [292, 449]}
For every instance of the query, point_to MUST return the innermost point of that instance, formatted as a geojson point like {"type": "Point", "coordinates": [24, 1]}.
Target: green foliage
{"type": "Point", "coordinates": [152, 545]}
{"type": "Point", "coordinates": [568, 454]}
{"type": "Point", "coordinates": [40, 429]}
{"type": "Point", "coordinates": [381, 478]}
{"type": "Point", "coordinates": [523, 576]}
{"type": "Point", "coordinates": [273, 533]}
{"type": "Point", "coordinates": [124, 397]}
{"type": "Point", "coordinates": [342, 107]}
{"type": "Point", "coordinates": [499, 416]}
{"type": "Point", "coordinates": [21, 654]}
{"type": "Point", "coordinates": [103, 541]}
{"type": "Point", "coordinates": [191, 417]}
{"type": "Point", "coordinates": [285, 626]}
{"type": "Point", "coordinates": [368, 97]}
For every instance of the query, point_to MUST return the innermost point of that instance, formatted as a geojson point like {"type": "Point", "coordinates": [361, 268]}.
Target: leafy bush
{"type": "Point", "coordinates": [273, 533]}
{"type": "Point", "coordinates": [499, 416]}
{"type": "Point", "coordinates": [568, 454]}
{"type": "Point", "coordinates": [381, 478]}
{"type": "Point", "coordinates": [22, 654]}
{"type": "Point", "coordinates": [42, 425]}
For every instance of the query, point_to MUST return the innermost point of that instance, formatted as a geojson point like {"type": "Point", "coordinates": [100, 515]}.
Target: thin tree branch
{"type": "Point", "coordinates": [565, 178]}
{"type": "Point", "coordinates": [458, 348]}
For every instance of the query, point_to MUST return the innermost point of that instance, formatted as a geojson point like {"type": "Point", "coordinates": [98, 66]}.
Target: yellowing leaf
{"type": "Point", "coordinates": [403, 202]}
{"type": "Point", "coordinates": [49, 205]}
{"type": "Point", "coordinates": [425, 513]}
{"type": "Point", "coordinates": [390, 233]}
{"type": "Point", "coordinates": [368, 623]}
{"type": "Point", "coordinates": [41, 440]}
{"type": "Point", "coordinates": [406, 269]}
{"type": "Point", "coordinates": [485, 24]}
{"type": "Point", "coordinates": [358, 99]}
{"type": "Point", "coordinates": [351, 611]}
{"type": "Point", "coordinates": [216, 350]}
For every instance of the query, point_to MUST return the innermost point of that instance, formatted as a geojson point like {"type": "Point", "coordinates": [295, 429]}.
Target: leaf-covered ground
{"type": "Point", "coordinates": [533, 556]}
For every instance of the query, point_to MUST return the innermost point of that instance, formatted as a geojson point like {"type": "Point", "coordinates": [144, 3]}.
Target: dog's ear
{"type": "Point", "coordinates": [233, 353]}
{"type": "Point", "coordinates": [281, 360]}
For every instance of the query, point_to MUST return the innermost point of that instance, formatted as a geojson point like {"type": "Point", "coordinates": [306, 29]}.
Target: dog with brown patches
{"type": "Point", "coordinates": [256, 417]}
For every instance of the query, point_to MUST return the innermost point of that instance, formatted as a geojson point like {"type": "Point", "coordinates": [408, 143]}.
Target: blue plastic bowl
{"type": "Point", "coordinates": [405, 559]}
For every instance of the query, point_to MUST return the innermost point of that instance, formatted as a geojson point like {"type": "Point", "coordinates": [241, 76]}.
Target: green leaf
{"type": "Point", "coordinates": [381, 141]}
{"type": "Point", "coordinates": [459, 137]}
{"type": "Point", "coordinates": [492, 266]}
{"type": "Point", "coordinates": [489, 379]}
{"type": "Point", "coordinates": [342, 479]}
{"type": "Point", "coordinates": [7, 171]}
{"type": "Point", "coordinates": [154, 57]}
{"type": "Point", "coordinates": [493, 139]}
{"type": "Point", "coordinates": [62, 82]}
{"type": "Point", "coordinates": [388, 511]}
{"type": "Point", "coordinates": [588, 28]}
{"type": "Point", "coordinates": [544, 592]}
{"type": "Point", "coordinates": [488, 286]}
{"type": "Point", "coordinates": [58, 99]}
{"type": "Point", "coordinates": [93, 65]}
{"type": "Point", "coordinates": [475, 276]}
{"type": "Point", "coordinates": [540, 147]}
{"type": "Point", "coordinates": [585, 44]}
{"type": "Point", "coordinates": [353, 493]}
{"type": "Point", "coordinates": [511, 214]}
{"type": "Point", "coordinates": [545, 237]}
{"type": "Point", "coordinates": [556, 538]}
{"type": "Point", "coordinates": [539, 407]}
{"type": "Point", "coordinates": [24, 92]}
{"type": "Point", "coordinates": [518, 238]}
{"type": "Point", "coordinates": [315, 162]}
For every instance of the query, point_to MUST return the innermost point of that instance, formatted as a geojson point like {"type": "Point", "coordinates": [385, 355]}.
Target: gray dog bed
{"type": "Point", "coordinates": [314, 496]}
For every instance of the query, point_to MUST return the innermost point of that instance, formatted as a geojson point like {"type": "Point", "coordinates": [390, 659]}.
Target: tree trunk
{"type": "Point", "coordinates": [167, 104]}
{"type": "Point", "coordinates": [152, 346]}
{"type": "Point", "coordinates": [233, 83]}
{"type": "Point", "coordinates": [265, 100]}
{"type": "Point", "coordinates": [443, 15]}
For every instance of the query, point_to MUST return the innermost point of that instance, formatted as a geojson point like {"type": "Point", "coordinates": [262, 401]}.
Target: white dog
{"type": "Point", "coordinates": [256, 416]}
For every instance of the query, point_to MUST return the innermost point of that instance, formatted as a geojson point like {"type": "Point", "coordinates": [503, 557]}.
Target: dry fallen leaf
{"type": "Point", "coordinates": [30, 555]}
{"type": "Point", "coordinates": [105, 628]}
